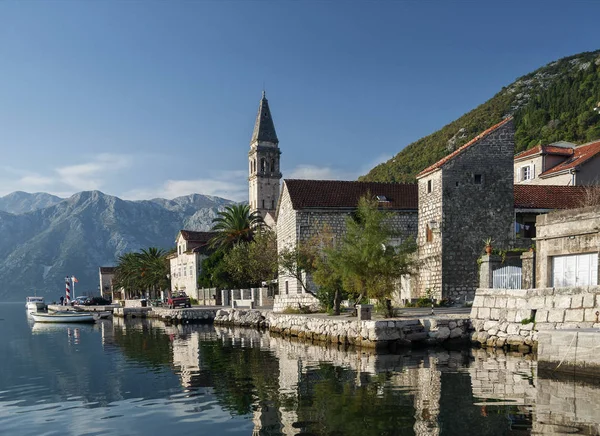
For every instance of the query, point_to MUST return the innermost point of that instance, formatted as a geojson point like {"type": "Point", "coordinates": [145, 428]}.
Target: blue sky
{"type": "Point", "coordinates": [153, 98]}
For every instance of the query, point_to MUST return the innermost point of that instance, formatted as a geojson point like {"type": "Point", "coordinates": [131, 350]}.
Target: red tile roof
{"type": "Point", "coordinates": [192, 236]}
{"type": "Point", "coordinates": [580, 155]}
{"type": "Point", "coordinates": [545, 149]}
{"type": "Point", "coordinates": [549, 196]}
{"type": "Point", "coordinates": [458, 151]}
{"type": "Point", "coordinates": [345, 194]}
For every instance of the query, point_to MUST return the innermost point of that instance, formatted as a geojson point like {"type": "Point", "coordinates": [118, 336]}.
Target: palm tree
{"type": "Point", "coordinates": [144, 271]}
{"type": "Point", "coordinates": [234, 225]}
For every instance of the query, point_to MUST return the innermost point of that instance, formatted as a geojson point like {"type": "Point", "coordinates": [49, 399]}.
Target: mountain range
{"type": "Point", "coordinates": [557, 102]}
{"type": "Point", "coordinates": [44, 238]}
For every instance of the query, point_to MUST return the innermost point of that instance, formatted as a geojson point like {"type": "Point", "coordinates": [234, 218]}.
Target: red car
{"type": "Point", "coordinates": [178, 299]}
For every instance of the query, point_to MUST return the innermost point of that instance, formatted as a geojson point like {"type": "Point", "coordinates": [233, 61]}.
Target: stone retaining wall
{"type": "Point", "coordinates": [512, 317]}
{"type": "Point", "coordinates": [343, 330]}
{"type": "Point", "coordinates": [294, 301]}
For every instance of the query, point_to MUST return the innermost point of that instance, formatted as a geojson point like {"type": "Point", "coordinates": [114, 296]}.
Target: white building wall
{"type": "Point", "coordinates": [287, 232]}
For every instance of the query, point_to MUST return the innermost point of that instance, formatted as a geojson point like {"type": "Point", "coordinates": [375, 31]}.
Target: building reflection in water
{"type": "Point", "coordinates": [290, 386]}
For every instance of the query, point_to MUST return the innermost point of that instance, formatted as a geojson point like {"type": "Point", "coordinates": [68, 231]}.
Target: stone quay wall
{"type": "Point", "coordinates": [183, 316]}
{"type": "Point", "coordinates": [512, 318]}
{"type": "Point", "coordinates": [341, 330]}
{"type": "Point", "coordinates": [574, 351]}
{"type": "Point", "coordinates": [176, 316]}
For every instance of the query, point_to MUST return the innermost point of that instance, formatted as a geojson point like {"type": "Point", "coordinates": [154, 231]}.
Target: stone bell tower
{"type": "Point", "coordinates": [264, 169]}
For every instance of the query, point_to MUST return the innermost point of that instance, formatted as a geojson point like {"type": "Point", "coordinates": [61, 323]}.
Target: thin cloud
{"type": "Point", "coordinates": [231, 185]}
{"type": "Point", "coordinates": [319, 173]}
{"type": "Point", "coordinates": [66, 180]}
{"type": "Point", "coordinates": [90, 175]}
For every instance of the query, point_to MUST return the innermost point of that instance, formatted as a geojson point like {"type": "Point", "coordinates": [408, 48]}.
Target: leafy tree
{"type": "Point", "coordinates": [298, 262]}
{"type": "Point", "coordinates": [251, 263]}
{"type": "Point", "coordinates": [234, 225]}
{"type": "Point", "coordinates": [368, 266]}
{"type": "Point", "coordinates": [330, 290]}
{"type": "Point", "coordinates": [213, 274]}
{"type": "Point", "coordinates": [331, 287]}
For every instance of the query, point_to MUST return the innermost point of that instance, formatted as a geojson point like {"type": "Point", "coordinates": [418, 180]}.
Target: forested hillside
{"type": "Point", "coordinates": [560, 101]}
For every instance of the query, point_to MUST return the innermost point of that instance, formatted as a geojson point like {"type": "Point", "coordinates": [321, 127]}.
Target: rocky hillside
{"type": "Point", "coordinates": [22, 202]}
{"type": "Point", "coordinates": [89, 229]}
{"type": "Point", "coordinates": [560, 101]}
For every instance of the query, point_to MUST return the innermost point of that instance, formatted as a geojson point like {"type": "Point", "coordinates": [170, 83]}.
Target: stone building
{"type": "Point", "coordinates": [534, 200]}
{"type": "Point", "coordinates": [264, 173]}
{"type": "Point", "coordinates": [106, 275]}
{"type": "Point", "coordinates": [463, 199]}
{"type": "Point", "coordinates": [186, 262]}
{"type": "Point", "coordinates": [567, 247]}
{"type": "Point", "coordinates": [561, 163]}
{"type": "Point", "coordinates": [306, 207]}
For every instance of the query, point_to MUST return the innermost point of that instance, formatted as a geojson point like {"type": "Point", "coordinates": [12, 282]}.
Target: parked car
{"type": "Point", "coordinates": [82, 301]}
{"type": "Point", "coordinates": [178, 299]}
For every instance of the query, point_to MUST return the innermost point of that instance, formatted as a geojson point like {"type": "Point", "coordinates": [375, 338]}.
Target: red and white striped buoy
{"type": "Point", "coordinates": [68, 290]}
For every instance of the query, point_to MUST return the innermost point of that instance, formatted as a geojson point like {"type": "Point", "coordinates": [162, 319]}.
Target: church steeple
{"type": "Point", "coordinates": [264, 129]}
{"type": "Point", "coordinates": [263, 160]}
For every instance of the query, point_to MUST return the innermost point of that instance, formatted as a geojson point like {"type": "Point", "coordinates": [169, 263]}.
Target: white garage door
{"type": "Point", "coordinates": [575, 270]}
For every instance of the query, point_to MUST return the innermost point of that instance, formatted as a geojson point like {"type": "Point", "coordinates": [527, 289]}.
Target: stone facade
{"type": "Point", "coordinates": [463, 199]}
{"type": "Point", "coordinates": [513, 317]}
{"type": "Point", "coordinates": [563, 233]}
{"type": "Point", "coordinates": [287, 237]}
{"type": "Point", "coordinates": [527, 270]}
{"type": "Point", "coordinates": [429, 238]}
{"type": "Point", "coordinates": [263, 165]}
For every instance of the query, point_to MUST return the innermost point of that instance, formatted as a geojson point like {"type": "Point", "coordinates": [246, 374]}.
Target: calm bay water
{"type": "Point", "coordinates": [142, 377]}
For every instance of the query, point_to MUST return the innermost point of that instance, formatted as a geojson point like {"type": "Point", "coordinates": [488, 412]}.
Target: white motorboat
{"type": "Point", "coordinates": [62, 317]}
{"type": "Point", "coordinates": [34, 304]}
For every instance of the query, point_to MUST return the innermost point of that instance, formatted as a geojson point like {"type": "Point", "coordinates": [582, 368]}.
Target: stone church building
{"type": "Point", "coordinates": [306, 206]}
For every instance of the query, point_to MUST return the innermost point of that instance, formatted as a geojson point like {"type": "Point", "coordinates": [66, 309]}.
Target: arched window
{"type": "Point", "coordinates": [263, 165]}
{"type": "Point", "coordinates": [273, 169]}
{"type": "Point", "coordinates": [254, 165]}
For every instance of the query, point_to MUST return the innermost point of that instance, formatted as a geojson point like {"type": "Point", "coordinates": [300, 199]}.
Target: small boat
{"type": "Point", "coordinates": [63, 317]}
{"type": "Point", "coordinates": [101, 315]}
{"type": "Point", "coordinates": [34, 304]}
